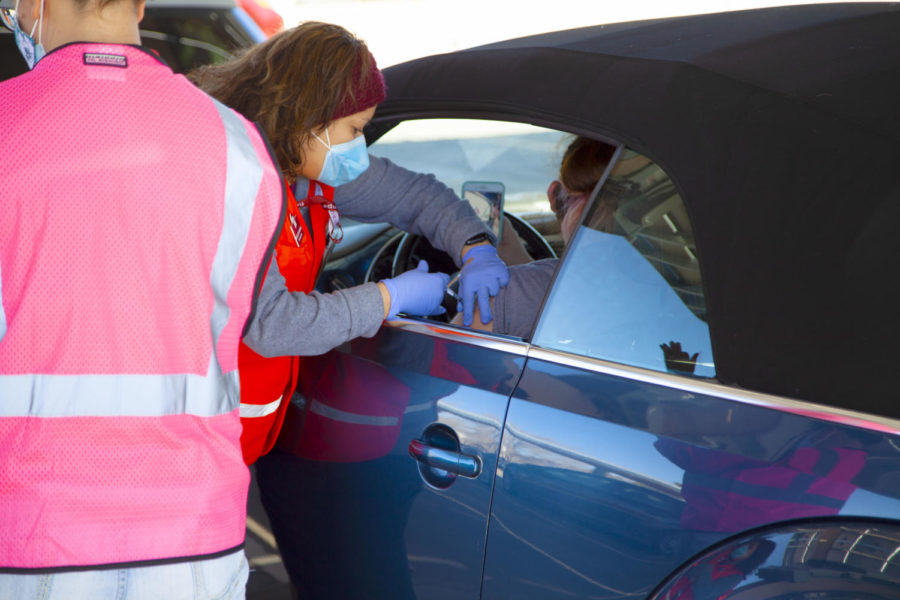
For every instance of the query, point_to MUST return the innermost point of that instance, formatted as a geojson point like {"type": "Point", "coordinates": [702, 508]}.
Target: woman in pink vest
{"type": "Point", "coordinates": [137, 213]}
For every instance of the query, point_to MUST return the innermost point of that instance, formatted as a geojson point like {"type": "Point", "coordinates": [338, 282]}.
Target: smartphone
{"type": "Point", "coordinates": [486, 198]}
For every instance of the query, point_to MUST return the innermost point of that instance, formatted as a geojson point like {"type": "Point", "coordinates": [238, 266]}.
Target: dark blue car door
{"type": "Point", "coordinates": [622, 457]}
{"type": "Point", "coordinates": [399, 509]}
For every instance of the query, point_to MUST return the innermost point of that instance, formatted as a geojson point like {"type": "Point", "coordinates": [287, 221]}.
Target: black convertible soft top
{"type": "Point", "coordinates": [780, 127]}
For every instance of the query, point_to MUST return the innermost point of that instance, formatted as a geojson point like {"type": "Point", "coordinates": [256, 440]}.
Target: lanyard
{"type": "Point", "coordinates": [323, 195]}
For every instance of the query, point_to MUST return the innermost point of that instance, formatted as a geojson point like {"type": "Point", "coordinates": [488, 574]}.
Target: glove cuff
{"type": "Point", "coordinates": [478, 250]}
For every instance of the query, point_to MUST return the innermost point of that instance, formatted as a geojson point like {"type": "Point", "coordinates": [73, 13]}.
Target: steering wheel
{"type": "Point", "coordinates": [412, 248]}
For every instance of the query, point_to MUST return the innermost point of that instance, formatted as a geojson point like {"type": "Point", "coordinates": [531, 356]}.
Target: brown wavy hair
{"type": "Point", "coordinates": [582, 166]}
{"type": "Point", "coordinates": [290, 84]}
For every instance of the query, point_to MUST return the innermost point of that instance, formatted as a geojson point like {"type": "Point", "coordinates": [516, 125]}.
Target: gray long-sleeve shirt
{"type": "Point", "coordinates": [516, 306]}
{"type": "Point", "coordinates": [294, 323]}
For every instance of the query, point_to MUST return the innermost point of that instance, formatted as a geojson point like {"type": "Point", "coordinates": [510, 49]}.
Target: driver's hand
{"type": "Point", "coordinates": [482, 276]}
{"type": "Point", "coordinates": [416, 292]}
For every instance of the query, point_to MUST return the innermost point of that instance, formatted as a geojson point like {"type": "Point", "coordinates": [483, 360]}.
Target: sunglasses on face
{"type": "Point", "coordinates": [563, 200]}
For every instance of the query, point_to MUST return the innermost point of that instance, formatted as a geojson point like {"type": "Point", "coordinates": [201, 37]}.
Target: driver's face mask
{"type": "Point", "coordinates": [343, 162]}
{"type": "Point", "coordinates": [568, 207]}
{"type": "Point", "coordinates": [30, 50]}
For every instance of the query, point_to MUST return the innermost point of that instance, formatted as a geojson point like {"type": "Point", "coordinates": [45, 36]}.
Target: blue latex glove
{"type": "Point", "coordinates": [482, 275]}
{"type": "Point", "coordinates": [417, 292]}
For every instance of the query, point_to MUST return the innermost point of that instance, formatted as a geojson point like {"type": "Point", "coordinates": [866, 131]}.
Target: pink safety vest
{"type": "Point", "coordinates": [136, 213]}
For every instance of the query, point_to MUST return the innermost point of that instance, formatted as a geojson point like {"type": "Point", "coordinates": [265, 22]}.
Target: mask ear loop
{"type": "Point", "coordinates": [36, 23]}
{"type": "Point", "coordinates": [323, 142]}
{"type": "Point", "coordinates": [39, 26]}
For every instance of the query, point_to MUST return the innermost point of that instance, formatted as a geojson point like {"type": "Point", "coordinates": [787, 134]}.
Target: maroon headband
{"type": "Point", "coordinates": [367, 91]}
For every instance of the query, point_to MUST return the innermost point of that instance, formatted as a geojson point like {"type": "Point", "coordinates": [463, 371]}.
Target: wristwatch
{"type": "Point", "coordinates": [477, 239]}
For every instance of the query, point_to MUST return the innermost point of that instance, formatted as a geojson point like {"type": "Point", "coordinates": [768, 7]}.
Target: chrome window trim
{"type": "Point", "coordinates": [492, 341]}
{"type": "Point", "coordinates": [686, 384]}
{"type": "Point", "coordinates": [711, 388]}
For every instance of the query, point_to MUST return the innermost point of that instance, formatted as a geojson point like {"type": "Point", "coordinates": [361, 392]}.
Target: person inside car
{"type": "Point", "coordinates": [642, 310]}
{"type": "Point", "coordinates": [516, 306]}
{"type": "Point", "coordinates": [313, 88]}
{"type": "Point", "coordinates": [128, 262]}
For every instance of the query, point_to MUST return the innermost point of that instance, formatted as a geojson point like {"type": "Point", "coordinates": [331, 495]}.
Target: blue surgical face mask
{"type": "Point", "coordinates": [31, 51]}
{"type": "Point", "coordinates": [343, 162]}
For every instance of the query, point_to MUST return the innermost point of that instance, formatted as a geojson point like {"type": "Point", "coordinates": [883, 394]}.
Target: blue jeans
{"type": "Point", "coordinates": [223, 578]}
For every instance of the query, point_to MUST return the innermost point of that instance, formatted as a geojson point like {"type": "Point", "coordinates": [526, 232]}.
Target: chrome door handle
{"type": "Point", "coordinates": [447, 460]}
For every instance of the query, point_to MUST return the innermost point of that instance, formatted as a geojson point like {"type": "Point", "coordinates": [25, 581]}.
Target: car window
{"type": "Point", "coordinates": [524, 158]}
{"type": "Point", "coordinates": [186, 38]}
{"type": "Point", "coordinates": [632, 292]}
{"type": "Point", "coordinates": [11, 62]}
{"type": "Point", "coordinates": [183, 37]}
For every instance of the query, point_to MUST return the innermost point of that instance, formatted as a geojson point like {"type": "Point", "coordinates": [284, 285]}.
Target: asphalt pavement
{"type": "Point", "coordinates": [268, 578]}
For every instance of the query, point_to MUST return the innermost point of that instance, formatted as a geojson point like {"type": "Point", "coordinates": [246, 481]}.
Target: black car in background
{"type": "Point", "coordinates": [185, 34]}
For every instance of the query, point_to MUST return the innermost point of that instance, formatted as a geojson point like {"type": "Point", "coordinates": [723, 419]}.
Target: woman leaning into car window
{"type": "Point", "coordinates": [312, 89]}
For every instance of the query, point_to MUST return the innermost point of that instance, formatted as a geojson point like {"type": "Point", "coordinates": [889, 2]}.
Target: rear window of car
{"type": "Point", "coordinates": [187, 38]}
{"type": "Point", "coordinates": [184, 38]}
{"type": "Point", "coordinates": [631, 292]}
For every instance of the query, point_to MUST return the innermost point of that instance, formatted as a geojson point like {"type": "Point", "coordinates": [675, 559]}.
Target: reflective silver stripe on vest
{"type": "Point", "coordinates": [119, 395]}
{"type": "Point", "coordinates": [243, 178]}
{"type": "Point", "coordinates": [254, 411]}
{"type": "Point", "coordinates": [413, 408]}
{"type": "Point", "coordinates": [323, 410]}
{"type": "Point", "coordinates": [206, 395]}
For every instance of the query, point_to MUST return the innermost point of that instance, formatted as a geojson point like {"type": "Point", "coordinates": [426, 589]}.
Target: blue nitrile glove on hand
{"type": "Point", "coordinates": [482, 275]}
{"type": "Point", "coordinates": [417, 292]}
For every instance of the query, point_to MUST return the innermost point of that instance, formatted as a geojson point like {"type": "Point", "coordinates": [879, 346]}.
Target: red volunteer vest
{"type": "Point", "coordinates": [354, 408]}
{"type": "Point", "coordinates": [268, 383]}
{"type": "Point", "coordinates": [353, 413]}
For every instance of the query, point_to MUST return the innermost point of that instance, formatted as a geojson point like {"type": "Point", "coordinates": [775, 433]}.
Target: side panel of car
{"type": "Point", "coordinates": [388, 525]}
{"type": "Point", "coordinates": [824, 560]}
{"type": "Point", "coordinates": [606, 484]}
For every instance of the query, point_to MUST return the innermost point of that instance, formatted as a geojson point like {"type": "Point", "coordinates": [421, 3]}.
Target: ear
{"type": "Point", "coordinates": [552, 191]}
{"type": "Point", "coordinates": [140, 10]}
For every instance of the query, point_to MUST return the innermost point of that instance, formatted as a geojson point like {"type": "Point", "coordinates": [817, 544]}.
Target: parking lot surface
{"type": "Point", "coordinates": [268, 578]}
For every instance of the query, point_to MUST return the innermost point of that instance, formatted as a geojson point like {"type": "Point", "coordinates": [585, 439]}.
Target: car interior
{"type": "Point", "coordinates": [524, 158]}
{"type": "Point", "coordinates": [653, 217]}
{"type": "Point", "coordinates": [186, 38]}
{"type": "Point", "coordinates": [183, 37]}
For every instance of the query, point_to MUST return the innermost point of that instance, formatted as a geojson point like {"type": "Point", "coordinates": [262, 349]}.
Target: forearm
{"type": "Point", "coordinates": [293, 323]}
